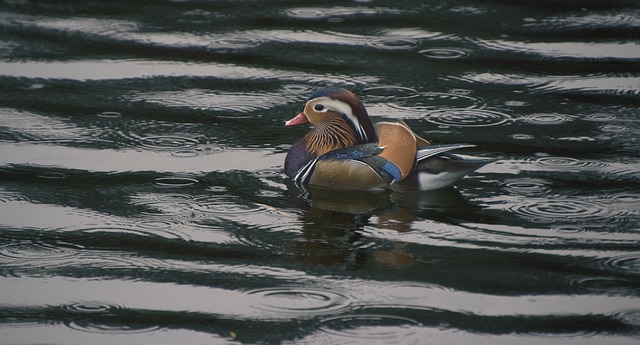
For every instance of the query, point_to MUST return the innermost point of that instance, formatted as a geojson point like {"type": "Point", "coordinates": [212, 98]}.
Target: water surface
{"type": "Point", "coordinates": [142, 198]}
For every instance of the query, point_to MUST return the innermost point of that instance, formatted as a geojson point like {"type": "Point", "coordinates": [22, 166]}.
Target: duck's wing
{"type": "Point", "coordinates": [441, 170]}
{"type": "Point", "coordinates": [425, 152]}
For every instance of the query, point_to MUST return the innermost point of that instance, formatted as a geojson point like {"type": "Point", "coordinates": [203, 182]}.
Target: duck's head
{"type": "Point", "coordinates": [336, 110]}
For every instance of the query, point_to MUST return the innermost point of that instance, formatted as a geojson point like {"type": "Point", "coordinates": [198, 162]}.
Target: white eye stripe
{"type": "Point", "coordinates": [345, 109]}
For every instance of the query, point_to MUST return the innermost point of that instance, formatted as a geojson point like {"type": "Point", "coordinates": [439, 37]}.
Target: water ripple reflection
{"type": "Point", "coordinates": [167, 229]}
{"type": "Point", "coordinates": [394, 43]}
{"type": "Point", "coordinates": [522, 136]}
{"type": "Point", "coordinates": [613, 128]}
{"type": "Point", "coordinates": [605, 284]}
{"type": "Point", "coordinates": [90, 307]}
{"type": "Point", "coordinates": [36, 251]}
{"type": "Point", "coordinates": [547, 118]}
{"type": "Point", "coordinates": [405, 104]}
{"type": "Point", "coordinates": [299, 301]}
{"type": "Point", "coordinates": [225, 205]}
{"type": "Point", "coordinates": [631, 318]}
{"type": "Point", "coordinates": [445, 53]}
{"type": "Point", "coordinates": [374, 327]}
{"type": "Point", "coordinates": [167, 142]}
{"type": "Point", "coordinates": [174, 181]}
{"type": "Point", "coordinates": [113, 324]}
{"type": "Point", "coordinates": [52, 175]}
{"type": "Point", "coordinates": [468, 117]}
{"type": "Point", "coordinates": [566, 210]}
{"type": "Point", "coordinates": [382, 93]}
{"type": "Point", "coordinates": [625, 263]}
{"type": "Point", "coordinates": [527, 186]}
{"type": "Point", "coordinates": [167, 204]}
{"type": "Point", "coordinates": [567, 163]}
{"type": "Point", "coordinates": [324, 13]}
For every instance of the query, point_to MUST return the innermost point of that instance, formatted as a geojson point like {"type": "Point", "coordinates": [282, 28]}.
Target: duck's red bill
{"type": "Point", "coordinates": [300, 119]}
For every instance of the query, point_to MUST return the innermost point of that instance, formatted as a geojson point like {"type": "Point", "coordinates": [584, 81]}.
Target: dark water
{"type": "Point", "coordinates": [142, 198]}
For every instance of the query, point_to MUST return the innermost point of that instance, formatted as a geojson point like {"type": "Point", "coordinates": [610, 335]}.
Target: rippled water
{"type": "Point", "coordinates": [142, 198]}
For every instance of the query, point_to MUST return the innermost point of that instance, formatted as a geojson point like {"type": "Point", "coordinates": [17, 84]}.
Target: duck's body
{"type": "Point", "coordinates": [343, 151]}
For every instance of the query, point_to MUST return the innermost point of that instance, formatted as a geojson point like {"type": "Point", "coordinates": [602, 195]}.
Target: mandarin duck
{"type": "Point", "coordinates": [343, 150]}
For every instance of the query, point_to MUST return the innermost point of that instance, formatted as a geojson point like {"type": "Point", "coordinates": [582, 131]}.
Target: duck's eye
{"type": "Point", "coordinates": [318, 107]}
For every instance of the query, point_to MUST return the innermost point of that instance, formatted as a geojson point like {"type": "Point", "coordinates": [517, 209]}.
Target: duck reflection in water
{"type": "Point", "coordinates": [335, 223]}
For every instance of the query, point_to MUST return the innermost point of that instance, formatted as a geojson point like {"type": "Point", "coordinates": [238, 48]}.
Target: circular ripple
{"type": "Point", "coordinates": [110, 114]}
{"type": "Point", "coordinates": [468, 117]}
{"type": "Point", "coordinates": [175, 181]}
{"type": "Point", "coordinates": [548, 211]}
{"type": "Point", "coordinates": [89, 307]}
{"type": "Point", "coordinates": [309, 13]}
{"type": "Point", "coordinates": [227, 205]}
{"type": "Point", "coordinates": [164, 204]}
{"type": "Point", "coordinates": [526, 186]}
{"type": "Point", "coordinates": [557, 162]}
{"type": "Point", "coordinates": [516, 104]}
{"type": "Point", "coordinates": [235, 43]}
{"type": "Point", "coordinates": [166, 142]}
{"type": "Point", "coordinates": [453, 100]}
{"type": "Point", "coordinates": [322, 13]}
{"type": "Point", "coordinates": [52, 175]}
{"type": "Point", "coordinates": [189, 153]}
{"type": "Point", "coordinates": [628, 263]}
{"type": "Point", "coordinates": [370, 326]}
{"type": "Point", "coordinates": [521, 136]}
{"type": "Point", "coordinates": [270, 172]}
{"type": "Point", "coordinates": [600, 117]}
{"type": "Point", "coordinates": [299, 301]}
{"type": "Point", "coordinates": [34, 86]}
{"type": "Point", "coordinates": [156, 224]}
{"type": "Point", "coordinates": [547, 119]}
{"type": "Point", "coordinates": [445, 53]}
{"type": "Point", "coordinates": [433, 102]}
{"type": "Point", "coordinates": [575, 334]}
{"type": "Point", "coordinates": [138, 229]}
{"type": "Point", "coordinates": [625, 198]}
{"type": "Point", "coordinates": [581, 228]}
{"type": "Point", "coordinates": [295, 89]}
{"type": "Point", "coordinates": [13, 196]}
{"type": "Point", "coordinates": [388, 92]}
{"type": "Point", "coordinates": [112, 324]}
{"type": "Point", "coordinates": [264, 241]}
{"type": "Point", "coordinates": [409, 293]}
{"type": "Point", "coordinates": [31, 250]}
{"type": "Point", "coordinates": [567, 162]}
{"type": "Point", "coordinates": [605, 284]}
{"type": "Point", "coordinates": [613, 128]}
{"type": "Point", "coordinates": [631, 318]}
{"type": "Point", "coordinates": [393, 43]}
{"type": "Point", "coordinates": [169, 229]}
